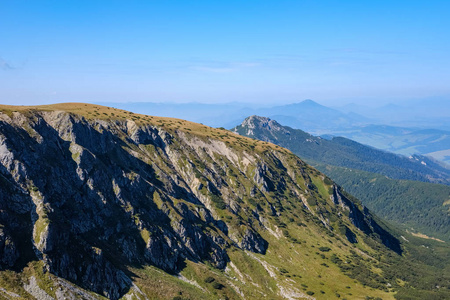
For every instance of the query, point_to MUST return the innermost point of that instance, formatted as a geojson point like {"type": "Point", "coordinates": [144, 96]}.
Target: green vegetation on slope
{"type": "Point", "coordinates": [423, 206]}
{"type": "Point", "coordinates": [190, 212]}
{"type": "Point", "coordinates": [418, 206]}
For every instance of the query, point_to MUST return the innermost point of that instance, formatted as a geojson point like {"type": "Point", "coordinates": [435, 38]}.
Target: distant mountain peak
{"type": "Point", "coordinates": [259, 122]}
{"type": "Point", "coordinates": [257, 118]}
{"type": "Point", "coordinates": [310, 102]}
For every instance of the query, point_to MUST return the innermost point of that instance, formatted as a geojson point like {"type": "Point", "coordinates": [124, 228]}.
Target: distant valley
{"type": "Point", "coordinates": [406, 141]}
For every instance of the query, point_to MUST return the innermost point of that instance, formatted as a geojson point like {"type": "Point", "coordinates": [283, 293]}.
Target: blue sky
{"type": "Point", "coordinates": [222, 51]}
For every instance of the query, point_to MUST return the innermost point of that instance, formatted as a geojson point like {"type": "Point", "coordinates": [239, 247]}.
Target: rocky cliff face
{"type": "Point", "coordinates": [89, 194]}
{"type": "Point", "coordinates": [253, 125]}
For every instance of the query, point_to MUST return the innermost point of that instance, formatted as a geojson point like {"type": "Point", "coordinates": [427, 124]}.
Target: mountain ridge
{"type": "Point", "coordinates": [344, 152]}
{"type": "Point", "coordinates": [127, 205]}
{"type": "Point", "coordinates": [382, 180]}
{"type": "Point", "coordinates": [406, 137]}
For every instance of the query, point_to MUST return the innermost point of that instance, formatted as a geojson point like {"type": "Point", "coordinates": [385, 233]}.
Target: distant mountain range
{"type": "Point", "coordinates": [311, 116]}
{"type": "Point", "coordinates": [344, 152]}
{"type": "Point", "coordinates": [419, 129]}
{"type": "Point", "coordinates": [382, 180]}
{"type": "Point", "coordinates": [423, 113]}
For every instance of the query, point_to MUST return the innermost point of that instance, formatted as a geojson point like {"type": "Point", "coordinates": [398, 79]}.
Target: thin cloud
{"type": "Point", "coordinates": [4, 65]}
{"type": "Point", "coordinates": [215, 69]}
{"type": "Point", "coordinates": [226, 67]}
{"type": "Point", "coordinates": [364, 51]}
{"type": "Point", "coordinates": [247, 64]}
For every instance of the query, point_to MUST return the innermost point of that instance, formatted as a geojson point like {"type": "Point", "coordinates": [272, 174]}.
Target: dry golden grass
{"type": "Point", "coordinates": [100, 112]}
{"type": "Point", "coordinates": [424, 236]}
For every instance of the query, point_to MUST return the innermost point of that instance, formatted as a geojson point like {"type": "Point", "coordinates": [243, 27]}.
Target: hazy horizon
{"type": "Point", "coordinates": [332, 52]}
{"type": "Point", "coordinates": [332, 103]}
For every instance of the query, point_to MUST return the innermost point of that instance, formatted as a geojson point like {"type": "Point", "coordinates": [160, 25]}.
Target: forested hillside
{"type": "Point", "coordinates": [418, 206]}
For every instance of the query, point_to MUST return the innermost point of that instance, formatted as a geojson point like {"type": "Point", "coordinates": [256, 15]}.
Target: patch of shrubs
{"type": "Point", "coordinates": [217, 285]}
{"type": "Point", "coordinates": [214, 283]}
{"type": "Point", "coordinates": [324, 249]}
{"type": "Point", "coordinates": [209, 279]}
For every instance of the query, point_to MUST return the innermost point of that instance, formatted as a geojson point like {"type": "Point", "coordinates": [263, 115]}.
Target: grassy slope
{"type": "Point", "coordinates": [417, 206]}
{"type": "Point", "coordinates": [294, 259]}
{"type": "Point", "coordinates": [412, 204]}
{"type": "Point", "coordinates": [99, 112]}
{"type": "Point", "coordinates": [300, 267]}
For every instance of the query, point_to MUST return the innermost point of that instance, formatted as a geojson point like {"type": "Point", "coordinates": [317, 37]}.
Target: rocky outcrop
{"type": "Point", "coordinates": [92, 191]}
{"type": "Point", "coordinates": [90, 197]}
{"type": "Point", "coordinates": [252, 241]}
{"type": "Point", "coordinates": [8, 250]}
{"type": "Point", "coordinates": [364, 221]}
{"type": "Point", "coordinates": [33, 288]}
{"type": "Point", "coordinates": [254, 125]}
